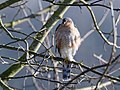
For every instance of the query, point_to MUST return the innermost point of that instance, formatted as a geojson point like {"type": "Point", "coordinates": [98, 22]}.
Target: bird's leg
{"type": "Point", "coordinates": [66, 60]}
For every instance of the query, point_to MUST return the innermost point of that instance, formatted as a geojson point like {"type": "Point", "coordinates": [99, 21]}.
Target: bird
{"type": "Point", "coordinates": [68, 40]}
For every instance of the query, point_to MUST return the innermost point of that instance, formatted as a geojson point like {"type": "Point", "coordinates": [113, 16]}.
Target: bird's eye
{"type": "Point", "coordinates": [64, 21]}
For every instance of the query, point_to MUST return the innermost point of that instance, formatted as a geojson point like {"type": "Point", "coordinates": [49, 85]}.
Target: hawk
{"type": "Point", "coordinates": [67, 42]}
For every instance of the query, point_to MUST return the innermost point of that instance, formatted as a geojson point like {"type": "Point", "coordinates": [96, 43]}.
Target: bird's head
{"type": "Point", "coordinates": [67, 21]}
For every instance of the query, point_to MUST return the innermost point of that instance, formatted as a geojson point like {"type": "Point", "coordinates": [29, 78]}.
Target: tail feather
{"type": "Point", "coordinates": [66, 71]}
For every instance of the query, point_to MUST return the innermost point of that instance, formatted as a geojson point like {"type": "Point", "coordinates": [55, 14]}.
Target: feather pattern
{"type": "Point", "coordinates": [67, 42]}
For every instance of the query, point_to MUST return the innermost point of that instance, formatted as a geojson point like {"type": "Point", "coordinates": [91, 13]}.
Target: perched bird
{"type": "Point", "coordinates": [67, 42]}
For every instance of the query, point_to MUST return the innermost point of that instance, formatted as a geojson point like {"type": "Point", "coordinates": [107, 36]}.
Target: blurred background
{"type": "Point", "coordinates": [92, 46]}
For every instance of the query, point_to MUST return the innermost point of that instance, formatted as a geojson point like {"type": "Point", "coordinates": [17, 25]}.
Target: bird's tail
{"type": "Point", "coordinates": [66, 71]}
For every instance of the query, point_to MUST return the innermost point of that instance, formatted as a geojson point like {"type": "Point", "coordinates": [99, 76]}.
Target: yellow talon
{"type": "Point", "coordinates": [66, 60]}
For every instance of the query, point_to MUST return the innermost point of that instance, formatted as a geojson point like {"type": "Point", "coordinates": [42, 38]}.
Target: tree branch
{"type": "Point", "coordinates": [15, 68]}
{"type": "Point", "coordinates": [8, 3]}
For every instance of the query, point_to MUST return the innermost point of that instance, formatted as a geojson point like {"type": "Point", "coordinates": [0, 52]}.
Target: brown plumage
{"type": "Point", "coordinates": [67, 36]}
{"type": "Point", "coordinates": [67, 41]}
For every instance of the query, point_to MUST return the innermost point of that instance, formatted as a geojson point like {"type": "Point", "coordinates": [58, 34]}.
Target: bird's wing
{"type": "Point", "coordinates": [56, 37]}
